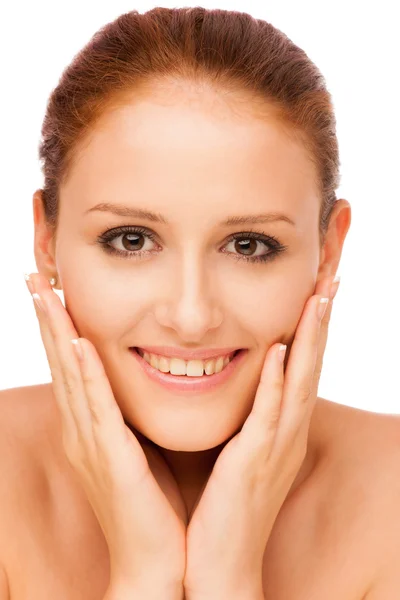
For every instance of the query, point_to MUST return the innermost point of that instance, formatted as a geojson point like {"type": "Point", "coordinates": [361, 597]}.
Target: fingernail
{"type": "Point", "coordinates": [39, 302]}
{"type": "Point", "coordinates": [282, 352]}
{"type": "Point", "coordinates": [29, 283]}
{"type": "Point", "coordinates": [78, 349]}
{"type": "Point", "coordinates": [334, 287]}
{"type": "Point", "coordinates": [323, 303]}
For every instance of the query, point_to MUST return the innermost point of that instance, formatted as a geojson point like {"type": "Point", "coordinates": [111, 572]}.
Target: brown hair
{"type": "Point", "coordinates": [228, 49]}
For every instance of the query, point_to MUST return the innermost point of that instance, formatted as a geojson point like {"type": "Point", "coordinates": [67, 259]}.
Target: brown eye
{"type": "Point", "coordinates": [133, 244]}
{"type": "Point", "coordinates": [132, 241]}
{"type": "Point", "coordinates": [246, 246]}
{"type": "Point", "coordinates": [128, 242]}
{"type": "Point", "coordinates": [249, 246]}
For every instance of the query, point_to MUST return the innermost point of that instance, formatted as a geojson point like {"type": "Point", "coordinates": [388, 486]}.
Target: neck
{"type": "Point", "coordinates": [192, 469]}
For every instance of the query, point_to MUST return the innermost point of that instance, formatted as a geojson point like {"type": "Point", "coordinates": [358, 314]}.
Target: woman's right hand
{"type": "Point", "coordinates": [145, 535]}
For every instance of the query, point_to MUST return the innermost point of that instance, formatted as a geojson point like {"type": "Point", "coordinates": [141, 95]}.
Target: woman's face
{"type": "Point", "coordinates": [190, 286]}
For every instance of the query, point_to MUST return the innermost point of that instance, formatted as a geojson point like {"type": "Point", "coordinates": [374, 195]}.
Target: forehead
{"type": "Point", "coordinates": [186, 143]}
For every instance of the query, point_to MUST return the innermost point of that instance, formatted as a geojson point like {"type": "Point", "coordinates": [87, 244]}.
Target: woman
{"type": "Point", "coordinates": [189, 215]}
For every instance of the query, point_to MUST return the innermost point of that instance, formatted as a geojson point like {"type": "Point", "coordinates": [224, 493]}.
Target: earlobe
{"type": "Point", "coordinates": [43, 239]}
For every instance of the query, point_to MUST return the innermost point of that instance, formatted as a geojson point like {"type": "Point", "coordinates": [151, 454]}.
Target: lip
{"type": "Point", "coordinates": [183, 383]}
{"type": "Point", "coordinates": [172, 352]}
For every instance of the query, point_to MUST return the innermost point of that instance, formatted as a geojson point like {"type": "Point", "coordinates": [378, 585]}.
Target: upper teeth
{"type": "Point", "coordinates": [193, 368]}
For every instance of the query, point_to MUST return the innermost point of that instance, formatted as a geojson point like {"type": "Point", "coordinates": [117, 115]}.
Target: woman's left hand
{"type": "Point", "coordinates": [229, 530]}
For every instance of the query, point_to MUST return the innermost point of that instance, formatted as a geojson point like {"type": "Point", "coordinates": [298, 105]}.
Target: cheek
{"type": "Point", "coordinates": [104, 304]}
{"type": "Point", "coordinates": [97, 308]}
{"type": "Point", "coordinates": [274, 309]}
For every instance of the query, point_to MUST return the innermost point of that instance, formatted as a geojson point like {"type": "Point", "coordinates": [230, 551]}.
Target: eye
{"type": "Point", "coordinates": [247, 242]}
{"type": "Point", "coordinates": [132, 244]}
{"type": "Point", "coordinates": [131, 241]}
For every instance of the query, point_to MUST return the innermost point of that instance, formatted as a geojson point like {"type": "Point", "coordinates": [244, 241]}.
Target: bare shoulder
{"type": "Point", "coordinates": [26, 436]}
{"type": "Point", "coordinates": [365, 481]}
{"type": "Point", "coordinates": [28, 417]}
{"type": "Point", "coordinates": [340, 418]}
{"type": "Point", "coordinates": [364, 446]}
{"type": "Point", "coordinates": [50, 540]}
{"type": "Point", "coordinates": [27, 428]}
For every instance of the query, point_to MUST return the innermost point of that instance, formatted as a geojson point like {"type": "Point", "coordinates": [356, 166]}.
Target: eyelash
{"type": "Point", "coordinates": [269, 240]}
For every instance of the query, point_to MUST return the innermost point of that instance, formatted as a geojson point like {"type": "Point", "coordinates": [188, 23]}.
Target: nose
{"type": "Point", "coordinates": [190, 305]}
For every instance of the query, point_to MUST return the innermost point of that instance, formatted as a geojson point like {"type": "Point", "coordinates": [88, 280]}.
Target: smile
{"type": "Point", "coordinates": [190, 368]}
{"type": "Point", "coordinates": [184, 376]}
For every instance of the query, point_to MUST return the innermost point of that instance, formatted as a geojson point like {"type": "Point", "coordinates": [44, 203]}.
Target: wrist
{"type": "Point", "coordinates": [227, 595]}
{"type": "Point", "coordinates": [250, 591]}
{"type": "Point", "coordinates": [139, 590]}
{"type": "Point", "coordinates": [218, 593]}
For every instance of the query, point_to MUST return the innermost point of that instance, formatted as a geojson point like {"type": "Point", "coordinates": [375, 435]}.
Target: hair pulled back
{"type": "Point", "coordinates": [229, 50]}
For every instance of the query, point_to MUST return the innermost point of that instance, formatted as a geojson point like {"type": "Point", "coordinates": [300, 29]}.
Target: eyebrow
{"type": "Point", "coordinates": [130, 211]}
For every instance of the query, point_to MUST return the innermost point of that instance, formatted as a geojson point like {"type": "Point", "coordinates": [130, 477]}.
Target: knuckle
{"type": "Point", "coordinates": [70, 380]}
{"type": "Point", "coordinates": [65, 373]}
{"type": "Point", "coordinates": [69, 386]}
{"type": "Point", "coordinates": [277, 386]}
{"type": "Point", "coordinates": [77, 453]}
{"type": "Point", "coordinates": [304, 392]}
{"type": "Point", "coordinates": [87, 378]}
{"type": "Point", "coordinates": [273, 418]}
{"type": "Point", "coordinates": [94, 414]}
{"type": "Point", "coordinates": [56, 374]}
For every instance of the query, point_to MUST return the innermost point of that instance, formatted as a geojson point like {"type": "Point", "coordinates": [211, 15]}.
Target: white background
{"type": "Point", "coordinates": [354, 45]}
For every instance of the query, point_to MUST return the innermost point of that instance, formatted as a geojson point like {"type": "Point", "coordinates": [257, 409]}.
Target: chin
{"type": "Point", "coordinates": [188, 441]}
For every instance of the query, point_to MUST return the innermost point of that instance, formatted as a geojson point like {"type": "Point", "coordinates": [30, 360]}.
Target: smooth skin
{"type": "Point", "coordinates": [195, 156]}
{"type": "Point", "coordinates": [141, 528]}
{"type": "Point", "coordinates": [256, 469]}
{"type": "Point", "coordinates": [144, 534]}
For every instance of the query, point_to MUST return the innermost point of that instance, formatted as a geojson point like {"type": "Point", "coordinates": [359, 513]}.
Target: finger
{"type": "Point", "coordinates": [323, 337]}
{"type": "Point", "coordinates": [262, 423]}
{"type": "Point", "coordinates": [100, 396]}
{"type": "Point", "coordinates": [66, 375]}
{"type": "Point", "coordinates": [297, 391]}
{"type": "Point", "coordinates": [85, 383]}
{"type": "Point", "coordinates": [67, 420]}
{"type": "Point", "coordinates": [113, 439]}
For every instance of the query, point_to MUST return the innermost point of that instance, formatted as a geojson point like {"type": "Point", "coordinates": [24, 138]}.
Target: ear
{"type": "Point", "coordinates": [331, 251]}
{"type": "Point", "coordinates": [44, 247]}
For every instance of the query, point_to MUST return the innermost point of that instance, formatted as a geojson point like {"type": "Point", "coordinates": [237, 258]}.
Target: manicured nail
{"type": "Point", "coordinates": [39, 302]}
{"type": "Point", "coordinates": [78, 349]}
{"type": "Point", "coordinates": [282, 352]}
{"type": "Point", "coordinates": [29, 283]}
{"type": "Point", "coordinates": [334, 287]}
{"type": "Point", "coordinates": [323, 303]}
